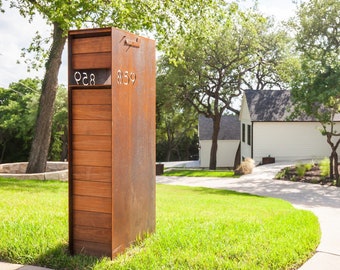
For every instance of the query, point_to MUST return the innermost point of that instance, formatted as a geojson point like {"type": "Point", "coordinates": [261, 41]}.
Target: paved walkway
{"type": "Point", "coordinates": [323, 201]}
{"type": "Point", "coordinates": [10, 266]}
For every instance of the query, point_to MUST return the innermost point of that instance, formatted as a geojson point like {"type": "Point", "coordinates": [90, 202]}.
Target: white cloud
{"type": "Point", "coordinates": [17, 33]}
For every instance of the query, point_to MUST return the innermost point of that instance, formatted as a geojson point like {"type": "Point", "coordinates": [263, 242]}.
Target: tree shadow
{"type": "Point", "coordinates": [59, 257]}
{"type": "Point", "coordinates": [223, 192]}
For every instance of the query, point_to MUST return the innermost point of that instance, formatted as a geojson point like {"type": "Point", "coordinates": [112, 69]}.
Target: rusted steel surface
{"type": "Point", "coordinates": [112, 140]}
{"type": "Point", "coordinates": [133, 138]}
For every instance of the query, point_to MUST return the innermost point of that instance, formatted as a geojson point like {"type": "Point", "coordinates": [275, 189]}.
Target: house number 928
{"type": "Point", "coordinates": [84, 78]}
{"type": "Point", "coordinates": [126, 77]}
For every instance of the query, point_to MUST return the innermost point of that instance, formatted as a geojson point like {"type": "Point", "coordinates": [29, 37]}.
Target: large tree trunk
{"type": "Point", "coordinates": [213, 150]}
{"type": "Point", "coordinates": [43, 127]}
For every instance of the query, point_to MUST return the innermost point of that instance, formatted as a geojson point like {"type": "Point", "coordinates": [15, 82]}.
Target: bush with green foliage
{"type": "Point", "coordinates": [18, 111]}
{"type": "Point", "coordinates": [325, 167]}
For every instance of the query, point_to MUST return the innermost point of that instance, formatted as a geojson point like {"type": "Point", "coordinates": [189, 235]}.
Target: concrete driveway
{"type": "Point", "coordinates": [323, 201]}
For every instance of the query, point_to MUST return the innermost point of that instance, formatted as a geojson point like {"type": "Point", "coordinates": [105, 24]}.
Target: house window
{"type": "Point", "coordinates": [243, 132]}
{"type": "Point", "coordinates": [249, 134]}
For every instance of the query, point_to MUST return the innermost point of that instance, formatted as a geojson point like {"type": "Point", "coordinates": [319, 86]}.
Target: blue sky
{"type": "Point", "coordinates": [16, 33]}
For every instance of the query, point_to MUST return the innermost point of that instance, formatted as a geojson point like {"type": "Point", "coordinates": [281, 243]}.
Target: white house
{"type": "Point", "coordinates": [267, 131]}
{"type": "Point", "coordinates": [228, 140]}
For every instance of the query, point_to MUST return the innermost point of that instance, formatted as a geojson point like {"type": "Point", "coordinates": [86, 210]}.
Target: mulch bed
{"type": "Point", "coordinates": [312, 176]}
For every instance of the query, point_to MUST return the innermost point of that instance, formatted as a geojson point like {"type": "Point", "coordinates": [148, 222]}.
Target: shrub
{"type": "Point", "coordinates": [282, 174]}
{"type": "Point", "coordinates": [246, 167]}
{"type": "Point", "coordinates": [301, 170]}
{"type": "Point", "coordinates": [309, 166]}
{"type": "Point", "coordinates": [325, 167]}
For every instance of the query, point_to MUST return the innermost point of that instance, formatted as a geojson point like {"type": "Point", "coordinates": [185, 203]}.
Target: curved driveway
{"type": "Point", "coordinates": [323, 201]}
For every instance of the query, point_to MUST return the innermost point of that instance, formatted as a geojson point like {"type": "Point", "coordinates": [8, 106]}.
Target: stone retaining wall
{"type": "Point", "coordinates": [54, 171]}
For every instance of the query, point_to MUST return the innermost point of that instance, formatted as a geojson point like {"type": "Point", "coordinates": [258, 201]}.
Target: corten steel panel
{"type": "Point", "coordinates": [112, 140]}
{"type": "Point", "coordinates": [133, 138]}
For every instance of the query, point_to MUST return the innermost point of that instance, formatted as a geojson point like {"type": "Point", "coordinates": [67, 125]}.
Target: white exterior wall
{"type": "Point", "coordinates": [245, 119]}
{"type": "Point", "coordinates": [288, 141]}
{"type": "Point", "coordinates": [226, 151]}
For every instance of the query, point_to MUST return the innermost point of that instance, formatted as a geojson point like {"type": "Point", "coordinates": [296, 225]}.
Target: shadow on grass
{"type": "Point", "coordinates": [200, 173]}
{"type": "Point", "coordinates": [222, 192]}
{"type": "Point", "coordinates": [60, 258]}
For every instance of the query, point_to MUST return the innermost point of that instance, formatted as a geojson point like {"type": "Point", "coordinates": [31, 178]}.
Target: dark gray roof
{"type": "Point", "coordinates": [229, 128]}
{"type": "Point", "coordinates": [271, 106]}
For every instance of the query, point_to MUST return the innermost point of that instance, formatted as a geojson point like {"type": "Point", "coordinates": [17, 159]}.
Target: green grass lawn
{"type": "Point", "coordinates": [199, 173]}
{"type": "Point", "coordinates": [197, 228]}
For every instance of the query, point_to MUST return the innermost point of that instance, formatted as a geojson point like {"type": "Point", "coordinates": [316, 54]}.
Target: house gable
{"type": "Point", "coordinates": [244, 111]}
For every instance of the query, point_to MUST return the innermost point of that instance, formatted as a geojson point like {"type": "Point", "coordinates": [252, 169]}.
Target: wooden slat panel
{"type": "Point", "coordinates": [93, 249]}
{"type": "Point", "coordinates": [93, 96]}
{"type": "Point", "coordinates": [89, 188]}
{"type": "Point", "coordinates": [90, 32]}
{"type": "Point", "coordinates": [91, 61]}
{"type": "Point", "coordinates": [91, 234]}
{"type": "Point", "coordinates": [91, 127]}
{"type": "Point", "coordinates": [90, 173]}
{"type": "Point", "coordinates": [90, 143]}
{"type": "Point", "coordinates": [91, 158]}
{"type": "Point", "coordinates": [92, 204]}
{"type": "Point", "coordinates": [91, 45]}
{"type": "Point", "coordinates": [92, 112]}
{"type": "Point", "coordinates": [92, 219]}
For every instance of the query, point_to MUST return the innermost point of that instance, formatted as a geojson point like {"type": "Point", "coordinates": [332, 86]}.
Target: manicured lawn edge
{"type": "Point", "coordinates": [197, 228]}
{"type": "Point", "coordinates": [200, 173]}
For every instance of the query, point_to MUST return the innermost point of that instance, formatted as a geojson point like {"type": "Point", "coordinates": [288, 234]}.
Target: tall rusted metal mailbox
{"type": "Point", "coordinates": [112, 140]}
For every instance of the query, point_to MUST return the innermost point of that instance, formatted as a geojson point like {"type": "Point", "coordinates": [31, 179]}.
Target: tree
{"type": "Point", "coordinates": [59, 140]}
{"type": "Point", "coordinates": [316, 88]}
{"type": "Point", "coordinates": [223, 53]}
{"type": "Point", "coordinates": [17, 115]}
{"type": "Point", "coordinates": [64, 15]}
{"type": "Point", "coordinates": [18, 110]}
{"type": "Point", "coordinates": [176, 122]}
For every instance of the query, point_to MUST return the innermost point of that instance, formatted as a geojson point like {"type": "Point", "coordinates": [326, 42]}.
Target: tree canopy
{"type": "Point", "coordinates": [316, 88]}
{"type": "Point", "coordinates": [223, 53]}
{"type": "Point", "coordinates": [18, 110]}
{"type": "Point", "coordinates": [166, 18]}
